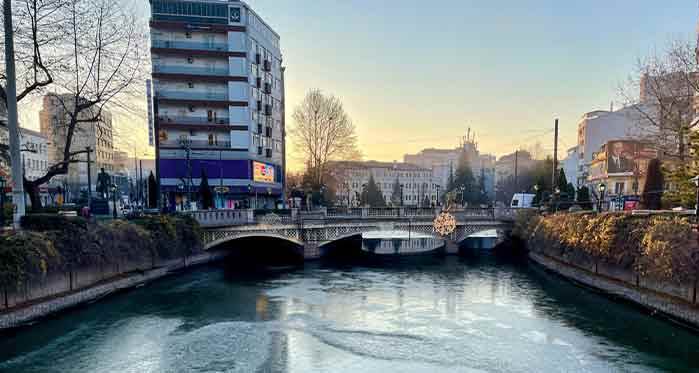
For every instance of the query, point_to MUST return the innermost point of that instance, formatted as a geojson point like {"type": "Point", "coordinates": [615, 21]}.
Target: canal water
{"type": "Point", "coordinates": [436, 315]}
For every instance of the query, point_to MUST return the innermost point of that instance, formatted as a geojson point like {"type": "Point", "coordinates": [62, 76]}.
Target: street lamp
{"type": "Point", "coordinates": [438, 201]}
{"type": "Point", "coordinates": [602, 189]}
{"type": "Point", "coordinates": [180, 187]}
{"type": "Point", "coordinates": [113, 189]}
{"type": "Point", "coordinates": [557, 193]}
{"type": "Point", "coordinates": [2, 202]}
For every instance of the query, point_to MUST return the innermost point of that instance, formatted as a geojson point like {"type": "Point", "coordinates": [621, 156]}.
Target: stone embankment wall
{"type": "Point", "coordinates": [60, 291]}
{"type": "Point", "coordinates": [675, 300]}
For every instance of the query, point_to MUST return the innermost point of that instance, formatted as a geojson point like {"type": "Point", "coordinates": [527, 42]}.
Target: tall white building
{"type": "Point", "coordinates": [218, 91]}
{"type": "Point", "coordinates": [596, 128]}
{"type": "Point", "coordinates": [418, 185]}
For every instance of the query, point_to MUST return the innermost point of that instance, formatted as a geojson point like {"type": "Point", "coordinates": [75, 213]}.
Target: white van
{"type": "Point", "coordinates": [522, 201]}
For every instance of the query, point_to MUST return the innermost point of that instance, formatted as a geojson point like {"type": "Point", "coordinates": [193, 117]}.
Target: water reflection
{"type": "Point", "coordinates": [445, 314]}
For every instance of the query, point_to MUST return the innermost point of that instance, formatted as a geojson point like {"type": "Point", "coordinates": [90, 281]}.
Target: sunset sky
{"type": "Point", "coordinates": [415, 74]}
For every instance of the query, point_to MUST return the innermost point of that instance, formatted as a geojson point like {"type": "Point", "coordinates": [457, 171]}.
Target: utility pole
{"type": "Point", "coordinates": [516, 171]}
{"type": "Point", "coordinates": [555, 155]}
{"type": "Point", "coordinates": [554, 177]}
{"type": "Point", "coordinates": [89, 177]}
{"type": "Point", "coordinates": [12, 122]}
{"type": "Point", "coordinates": [140, 182]}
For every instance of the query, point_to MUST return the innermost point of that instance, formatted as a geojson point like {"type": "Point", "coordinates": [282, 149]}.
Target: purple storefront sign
{"type": "Point", "coordinates": [228, 169]}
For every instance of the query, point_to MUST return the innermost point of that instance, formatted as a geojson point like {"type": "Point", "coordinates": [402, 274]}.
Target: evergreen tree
{"type": "Point", "coordinates": [562, 185]}
{"type": "Point", "coordinates": [396, 194]}
{"type": "Point", "coordinates": [207, 200]}
{"type": "Point", "coordinates": [152, 191]}
{"type": "Point", "coordinates": [583, 198]}
{"type": "Point", "coordinates": [374, 195]}
{"type": "Point", "coordinates": [679, 176]}
{"type": "Point", "coordinates": [652, 197]}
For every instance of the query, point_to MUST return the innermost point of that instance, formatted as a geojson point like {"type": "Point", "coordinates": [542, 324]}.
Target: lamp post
{"type": "Point", "coordinates": [401, 194]}
{"type": "Point", "coordinates": [114, 201]}
{"type": "Point", "coordinates": [557, 193]}
{"type": "Point", "coordinates": [2, 202]}
{"type": "Point", "coordinates": [602, 189]}
{"type": "Point", "coordinates": [438, 201]}
{"type": "Point", "coordinates": [180, 187]}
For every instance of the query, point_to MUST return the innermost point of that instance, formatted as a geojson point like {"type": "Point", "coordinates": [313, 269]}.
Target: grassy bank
{"type": "Point", "coordinates": [662, 247]}
{"type": "Point", "coordinates": [56, 244]}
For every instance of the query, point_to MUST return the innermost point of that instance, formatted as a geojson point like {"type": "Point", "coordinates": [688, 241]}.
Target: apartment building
{"type": "Point", "coordinates": [218, 98]}
{"type": "Point", "coordinates": [97, 135]}
{"type": "Point", "coordinates": [352, 177]}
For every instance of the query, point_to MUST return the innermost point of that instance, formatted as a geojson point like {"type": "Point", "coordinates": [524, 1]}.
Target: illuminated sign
{"type": "Point", "coordinates": [262, 172]}
{"type": "Point", "coordinates": [235, 15]}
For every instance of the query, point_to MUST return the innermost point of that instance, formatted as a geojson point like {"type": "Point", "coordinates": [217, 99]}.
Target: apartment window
{"type": "Point", "coordinates": [619, 188]}
{"type": "Point", "coordinates": [190, 60]}
{"type": "Point", "coordinates": [191, 109]}
{"type": "Point", "coordinates": [210, 115]}
{"type": "Point", "coordinates": [190, 85]}
{"type": "Point", "coordinates": [188, 35]}
{"type": "Point", "coordinates": [212, 139]}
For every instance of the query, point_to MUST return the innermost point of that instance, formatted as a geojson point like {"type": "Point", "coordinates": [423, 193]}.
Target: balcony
{"type": "Point", "coordinates": [267, 66]}
{"type": "Point", "coordinates": [258, 82]}
{"type": "Point", "coordinates": [258, 58]}
{"type": "Point", "coordinates": [190, 45]}
{"type": "Point", "coordinates": [190, 70]}
{"type": "Point", "coordinates": [268, 110]}
{"type": "Point", "coordinates": [193, 120]}
{"type": "Point", "coordinates": [197, 144]}
{"type": "Point", "coordinates": [193, 95]}
{"type": "Point", "coordinates": [268, 88]}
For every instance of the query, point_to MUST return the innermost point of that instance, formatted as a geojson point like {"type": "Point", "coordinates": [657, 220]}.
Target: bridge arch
{"type": "Point", "coordinates": [258, 250]}
{"type": "Point", "coordinates": [213, 245]}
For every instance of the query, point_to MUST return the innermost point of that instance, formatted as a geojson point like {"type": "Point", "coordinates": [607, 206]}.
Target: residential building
{"type": "Point", "coordinates": [571, 166]}
{"type": "Point", "coordinates": [351, 177]}
{"type": "Point", "coordinates": [34, 150]}
{"type": "Point", "coordinates": [97, 135]}
{"type": "Point", "coordinates": [444, 162]}
{"type": "Point", "coordinates": [520, 161]}
{"type": "Point", "coordinates": [596, 128]}
{"type": "Point", "coordinates": [218, 96]}
{"type": "Point", "coordinates": [620, 165]}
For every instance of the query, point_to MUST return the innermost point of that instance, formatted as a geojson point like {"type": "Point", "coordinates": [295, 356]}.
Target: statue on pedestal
{"type": "Point", "coordinates": [104, 181]}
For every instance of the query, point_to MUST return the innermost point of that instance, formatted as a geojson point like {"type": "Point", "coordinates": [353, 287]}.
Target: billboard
{"type": "Point", "coordinates": [263, 173]}
{"type": "Point", "coordinates": [621, 157]}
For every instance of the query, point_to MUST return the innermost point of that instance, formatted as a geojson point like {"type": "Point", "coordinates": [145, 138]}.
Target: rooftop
{"type": "Point", "coordinates": [377, 164]}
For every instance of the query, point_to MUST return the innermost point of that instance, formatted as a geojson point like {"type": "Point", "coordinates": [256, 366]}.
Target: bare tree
{"type": "Point", "coordinates": [89, 53]}
{"type": "Point", "coordinates": [662, 95]}
{"type": "Point", "coordinates": [323, 132]}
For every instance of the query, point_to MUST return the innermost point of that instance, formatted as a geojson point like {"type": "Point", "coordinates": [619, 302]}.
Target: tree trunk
{"type": "Point", "coordinates": [34, 195]}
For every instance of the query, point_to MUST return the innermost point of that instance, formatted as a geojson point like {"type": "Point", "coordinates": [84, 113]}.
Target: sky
{"type": "Point", "coordinates": [415, 74]}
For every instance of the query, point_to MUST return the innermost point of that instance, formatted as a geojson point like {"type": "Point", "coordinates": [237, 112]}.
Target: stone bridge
{"type": "Point", "coordinates": [311, 231]}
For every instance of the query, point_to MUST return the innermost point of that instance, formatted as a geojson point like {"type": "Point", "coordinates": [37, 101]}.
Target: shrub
{"type": "Point", "coordinates": [51, 222]}
{"type": "Point", "coordinates": [662, 246]}
{"type": "Point", "coordinates": [24, 256]}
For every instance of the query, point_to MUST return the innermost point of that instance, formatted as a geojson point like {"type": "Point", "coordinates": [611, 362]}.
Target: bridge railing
{"type": "Point", "coordinates": [220, 218]}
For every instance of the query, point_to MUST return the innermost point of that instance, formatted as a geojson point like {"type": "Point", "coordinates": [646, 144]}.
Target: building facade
{"type": "Point", "coordinates": [97, 135]}
{"type": "Point", "coordinates": [218, 101]}
{"type": "Point", "coordinates": [621, 165]}
{"type": "Point", "coordinates": [418, 184]}
{"type": "Point", "coordinates": [596, 128]}
{"type": "Point", "coordinates": [444, 162]}
{"type": "Point", "coordinates": [34, 150]}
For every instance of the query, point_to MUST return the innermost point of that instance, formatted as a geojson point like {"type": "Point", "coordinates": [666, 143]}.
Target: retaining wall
{"type": "Point", "coordinates": [675, 300]}
{"type": "Point", "coordinates": [54, 293]}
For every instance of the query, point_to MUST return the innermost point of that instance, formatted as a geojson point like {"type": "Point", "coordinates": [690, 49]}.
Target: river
{"type": "Point", "coordinates": [427, 315]}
